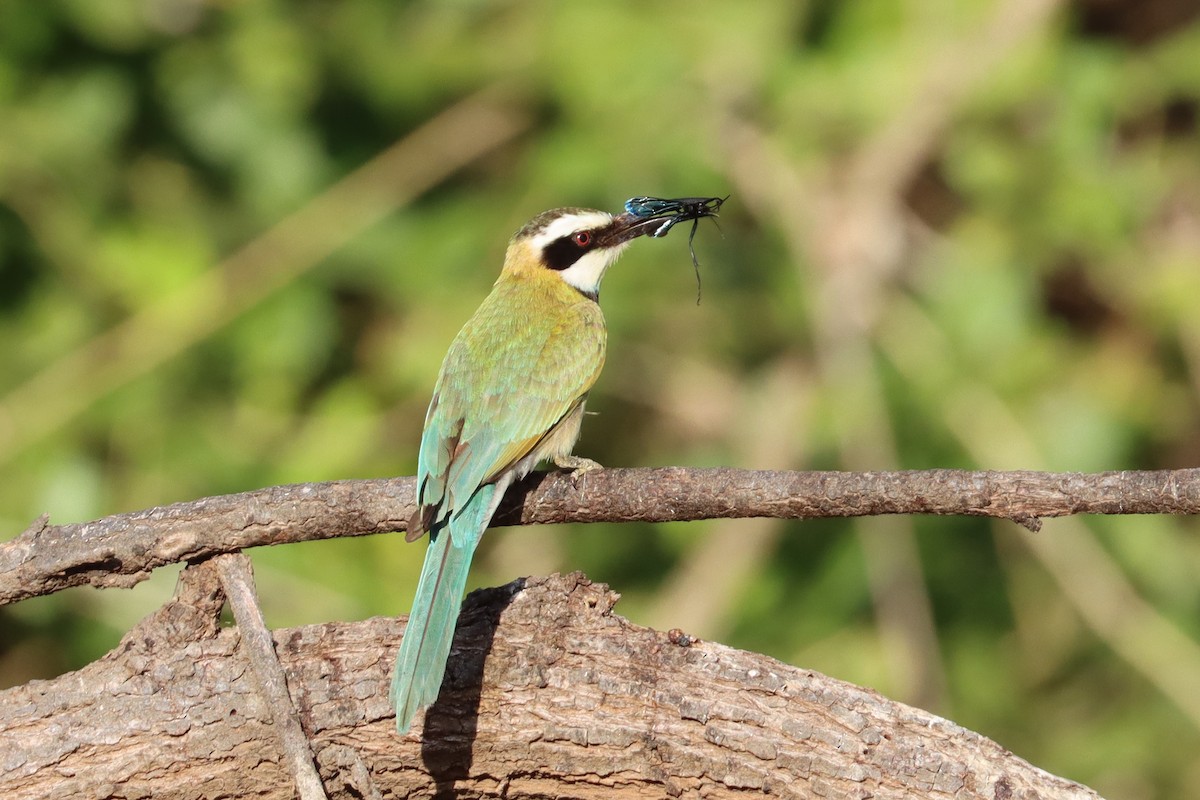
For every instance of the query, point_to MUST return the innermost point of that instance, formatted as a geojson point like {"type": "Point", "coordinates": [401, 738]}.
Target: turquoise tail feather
{"type": "Point", "coordinates": [421, 662]}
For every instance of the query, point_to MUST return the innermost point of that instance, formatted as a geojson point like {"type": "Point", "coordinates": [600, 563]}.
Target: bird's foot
{"type": "Point", "coordinates": [578, 466]}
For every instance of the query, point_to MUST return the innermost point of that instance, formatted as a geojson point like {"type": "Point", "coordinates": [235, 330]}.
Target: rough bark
{"type": "Point", "coordinates": [548, 694]}
{"type": "Point", "coordinates": [122, 550]}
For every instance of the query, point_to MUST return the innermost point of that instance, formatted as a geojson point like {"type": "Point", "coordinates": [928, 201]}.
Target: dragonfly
{"type": "Point", "coordinates": [674, 211]}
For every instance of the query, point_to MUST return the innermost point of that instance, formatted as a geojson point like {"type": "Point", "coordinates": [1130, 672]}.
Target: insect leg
{"type": "Point", "coordinates": [695, 261]}
{"type": "Point", "coordinates": [663, 229]}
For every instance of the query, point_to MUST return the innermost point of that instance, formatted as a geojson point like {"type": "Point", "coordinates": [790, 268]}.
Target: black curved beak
{"type": "Point", "coordinates": [626, 227]}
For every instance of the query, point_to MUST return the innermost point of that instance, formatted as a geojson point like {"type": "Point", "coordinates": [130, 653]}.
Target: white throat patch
{"type": "Point", "coordinates": [586, 273]}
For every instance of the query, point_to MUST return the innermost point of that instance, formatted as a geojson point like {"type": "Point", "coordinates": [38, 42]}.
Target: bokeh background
{"type": "Point", "coordinates": [236, 239]}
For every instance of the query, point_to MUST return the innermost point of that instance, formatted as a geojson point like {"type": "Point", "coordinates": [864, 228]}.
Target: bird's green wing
{"type": "Point", "coordinates": [511, 375]}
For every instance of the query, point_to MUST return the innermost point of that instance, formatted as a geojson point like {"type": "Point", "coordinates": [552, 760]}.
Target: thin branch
{"type": "Point", "coordinates": [121, 550]}
{"type": "Point", "coordinates": [237, 577]}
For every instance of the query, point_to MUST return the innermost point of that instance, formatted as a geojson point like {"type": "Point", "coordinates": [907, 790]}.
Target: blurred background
{"type": "Point", "coordinates": [236, 239]}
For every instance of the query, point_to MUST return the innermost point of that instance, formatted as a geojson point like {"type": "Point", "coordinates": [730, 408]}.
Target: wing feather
{"type": "Point", "coordinates": [518, 367]}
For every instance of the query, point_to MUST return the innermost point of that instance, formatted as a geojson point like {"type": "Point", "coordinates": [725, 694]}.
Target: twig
{"type": "Point", "coordinates": [238, 580]}
{"type": "Point", "coordinates": [121, 550]}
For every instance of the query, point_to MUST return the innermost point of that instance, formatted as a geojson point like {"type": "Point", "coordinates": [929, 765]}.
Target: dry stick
{"type": "Point", "coordinates": [237, 578]}
{"type": "Point", "coordinates": [121, 550]}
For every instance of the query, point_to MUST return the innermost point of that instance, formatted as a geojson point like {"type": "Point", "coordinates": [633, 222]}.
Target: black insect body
{"type": "Point", "coordinates": [674, 211]}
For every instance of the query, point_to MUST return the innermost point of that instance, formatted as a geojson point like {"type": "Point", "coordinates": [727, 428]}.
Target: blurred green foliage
{"type": "Point", "coordinates": [947, 245]}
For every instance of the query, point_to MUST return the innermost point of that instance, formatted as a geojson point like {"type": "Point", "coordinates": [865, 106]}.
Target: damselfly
{"type": "Point", "coordinates": [674, 211]}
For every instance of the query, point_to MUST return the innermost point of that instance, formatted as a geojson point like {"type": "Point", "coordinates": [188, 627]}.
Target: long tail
{"type": "Point", "coordinates": [421, 662]}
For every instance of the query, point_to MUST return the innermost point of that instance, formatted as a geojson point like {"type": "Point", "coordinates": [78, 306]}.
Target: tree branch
{"type": "Point", "coordinates": [121, 550]}
{"type": "Point", "coordinates": [546, 689]}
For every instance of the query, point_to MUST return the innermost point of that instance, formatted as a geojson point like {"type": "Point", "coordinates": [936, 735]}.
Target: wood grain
{"type": "Point", "coordinates": [549, 693]}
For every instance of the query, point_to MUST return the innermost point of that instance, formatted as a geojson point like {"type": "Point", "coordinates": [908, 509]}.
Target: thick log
{"type": "Point", "coordinates": [548, 694]}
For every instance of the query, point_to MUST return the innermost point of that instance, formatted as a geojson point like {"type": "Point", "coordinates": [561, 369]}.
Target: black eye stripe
{"type": "Point", "coordinates": [564, 251]}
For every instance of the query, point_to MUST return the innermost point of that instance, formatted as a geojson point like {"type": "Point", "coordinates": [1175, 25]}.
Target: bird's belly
{"type": "Point", "coordinates": [558, 442]}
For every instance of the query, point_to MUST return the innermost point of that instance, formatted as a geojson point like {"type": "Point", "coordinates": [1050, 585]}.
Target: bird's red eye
{"type": "Point", "coordinates": [583, 238]}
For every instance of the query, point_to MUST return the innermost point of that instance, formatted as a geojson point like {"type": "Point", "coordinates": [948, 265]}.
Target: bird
{"type": "Point", "coordinates": [510, 394]}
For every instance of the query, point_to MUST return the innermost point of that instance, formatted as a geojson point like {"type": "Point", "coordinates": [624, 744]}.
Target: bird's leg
{"type": "Point", "coordinates": [579, 466]}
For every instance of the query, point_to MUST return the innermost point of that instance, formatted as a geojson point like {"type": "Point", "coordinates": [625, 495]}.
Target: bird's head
{"type": "Point", "coordinates": [576, 244]}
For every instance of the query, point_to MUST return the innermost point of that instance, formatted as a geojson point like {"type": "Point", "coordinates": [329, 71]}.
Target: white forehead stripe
{"type": "Point", "coordinates": [568, 224]}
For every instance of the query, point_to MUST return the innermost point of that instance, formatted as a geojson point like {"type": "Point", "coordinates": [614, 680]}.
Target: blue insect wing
{"type": "Point", "coordinates": [649, 206]}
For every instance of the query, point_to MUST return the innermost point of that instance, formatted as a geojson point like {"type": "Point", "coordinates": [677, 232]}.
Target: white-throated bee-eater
{"type": "Point", "coordinates": [510, 394]}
